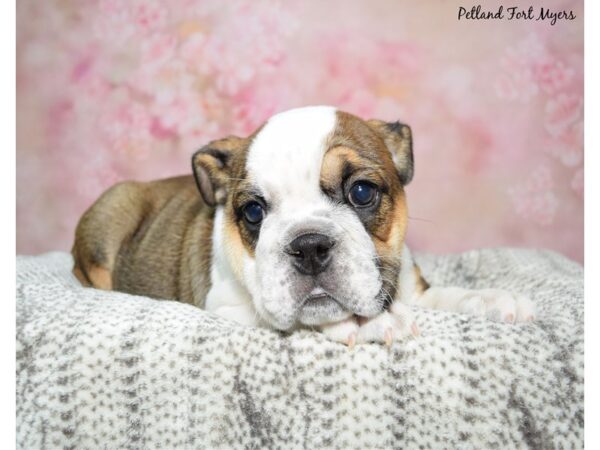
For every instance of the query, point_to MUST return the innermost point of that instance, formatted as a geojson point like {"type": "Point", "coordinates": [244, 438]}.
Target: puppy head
{"type": "Point", "coordinates": [311, 212]}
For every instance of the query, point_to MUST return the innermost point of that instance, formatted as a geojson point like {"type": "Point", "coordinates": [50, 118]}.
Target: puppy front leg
{"type": "Point", "coordinates": [386, 327]}
{"type": "Point", "coordinates": [394, 325]}
{"type": "Point", "coordinates": [495, 304]}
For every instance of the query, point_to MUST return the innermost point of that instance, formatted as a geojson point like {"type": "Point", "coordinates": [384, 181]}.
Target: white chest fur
{"type": "Point", "coordinates": [227, 297]}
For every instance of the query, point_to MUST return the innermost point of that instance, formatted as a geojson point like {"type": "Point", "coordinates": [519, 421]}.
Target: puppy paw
{"type": "Point", "coordinates": [388, 327]}
{"type": "Point", "coordinates": [498, 305]}
{"type": "Point", "coordinates": [344, 331]}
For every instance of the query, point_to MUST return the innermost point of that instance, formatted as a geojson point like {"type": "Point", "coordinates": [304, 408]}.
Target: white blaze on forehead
{"type": "Point", "coordinates": [285, 157]}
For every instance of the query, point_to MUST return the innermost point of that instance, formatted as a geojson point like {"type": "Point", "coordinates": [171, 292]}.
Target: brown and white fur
{"type": "Point", "coordinates": [166, 240]}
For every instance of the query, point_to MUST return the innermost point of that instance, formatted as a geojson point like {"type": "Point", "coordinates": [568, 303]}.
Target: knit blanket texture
{"type": "Point", "coordinates": [107, 370]}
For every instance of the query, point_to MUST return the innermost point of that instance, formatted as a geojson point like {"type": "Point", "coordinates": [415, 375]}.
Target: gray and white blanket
{"type": "Point", "coordinates": [109, 370]}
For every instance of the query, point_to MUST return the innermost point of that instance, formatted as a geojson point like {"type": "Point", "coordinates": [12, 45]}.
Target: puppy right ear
{"type": "Point", "coordinates": [212, 166]}
{"type": "Point", "coordinates": [398, 139]}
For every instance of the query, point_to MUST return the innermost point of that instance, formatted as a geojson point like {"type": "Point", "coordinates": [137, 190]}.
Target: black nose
{"type": "Point", "coordinates": [311, 253]}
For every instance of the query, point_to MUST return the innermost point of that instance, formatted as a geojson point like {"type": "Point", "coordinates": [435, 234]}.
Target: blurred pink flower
{"type": "Point", "coordinates": [360, 102]}
{"type": "Point", "coordinates": [402, 60]}
{"type": "Point", "coordinates": [561, 112]}
{"type": "Point", "coordinates": [453, 85]}
{"type": "Point", "coordinates": [149, 15]}
{"type": "Point", "coordinates": [158, 66]}
{"type": "Point", "coordinates": [518, 83]}
{"type": "Point", "coordinates": [157, 49]}
{"type": "Point", "coordinates": [529, 51]}
{"type": "Point", "coordinates": [191, 50]}
{"type": "Point", "coordinates": [115, 22]}
{"type": "Point", "coordinates": [516, 78]}
{"type": "Point", "coordinates": [231, 72]}
{"type": "Point", "coordinates": [126, 126]}
{"type": "Point", "coordinates": [568, 146]}
{"type": "Point", "coordinates": [534, 199]}
{"type": "Point", "coordinates": [255, 104]}
{"type": "Point", "coordinates": [505, 88]}
{"type": "Point", "coordinates": [528, 67]}
{"type": "Point", "coordinates": [569, 155]}
{"type": "Point", "coordinates": [112, 21]}
{"type": "Point", "coordinates": [96, 176]}
{"type": "Point", "coordinates": [94, 88]}
{"type": "Point", "coordinates": [243, 49]}
{"type": "Point", "coordinates": [180, 113]}
{"type": "Point", "coordinates": [390, 109]}
{"type": "Point", "coordinates": [553, 75]}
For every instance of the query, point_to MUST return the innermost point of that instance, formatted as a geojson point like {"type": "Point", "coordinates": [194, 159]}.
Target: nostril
{"type": "Point", "coordinates": [293, 250]}
{"type": "Point", "coordinates": [295, 253]}
{"type": "Point", "coordinates": [322, 250]}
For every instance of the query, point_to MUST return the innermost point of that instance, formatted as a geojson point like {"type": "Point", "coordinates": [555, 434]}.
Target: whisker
{"type": "Point", "coordinates": [421, 219]}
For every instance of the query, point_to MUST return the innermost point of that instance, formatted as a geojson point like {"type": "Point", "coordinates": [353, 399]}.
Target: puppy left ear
{"type": "Point", "coordinates": [398, 139]}
{"type": "Point", "coordinates": [213, 167]}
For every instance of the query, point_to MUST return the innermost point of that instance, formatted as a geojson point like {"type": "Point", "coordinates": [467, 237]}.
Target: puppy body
{"type": "Point", "coordinates": [149, 239]}
{"type": "Point", "coordinates": [301, 224]}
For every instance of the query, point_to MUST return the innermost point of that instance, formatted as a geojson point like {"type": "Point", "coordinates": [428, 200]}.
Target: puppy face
{"type": "Point", "coordinates": [311, 213]}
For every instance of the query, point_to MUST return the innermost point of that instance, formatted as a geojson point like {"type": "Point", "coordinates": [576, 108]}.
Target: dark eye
{"type": "Point", "coordinates": [253, 213]}
{"type": "Point", "coordinates": [362, 194]}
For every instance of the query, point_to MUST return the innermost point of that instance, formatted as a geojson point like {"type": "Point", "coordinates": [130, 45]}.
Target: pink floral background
{"type": "Point", "coordinates": [111, 90]}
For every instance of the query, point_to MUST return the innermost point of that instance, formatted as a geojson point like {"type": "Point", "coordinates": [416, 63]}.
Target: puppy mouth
{"type": "Point", "coordinates": [319, 306]}
{"type": "Point", "coordinates": [317, 295]}
{"type": "Point", "coordinates": [316, 300]}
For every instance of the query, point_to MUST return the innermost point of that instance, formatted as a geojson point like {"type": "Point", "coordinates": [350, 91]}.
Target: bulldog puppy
{"type": "Point", "coordinates": [300, 225]}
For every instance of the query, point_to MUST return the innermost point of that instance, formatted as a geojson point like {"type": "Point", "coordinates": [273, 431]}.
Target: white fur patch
{"type": "Point", "coordinates": [285, 157]}
{"type": "Point", "coordinates": [227, 297]}
{"type": "Point", "coordinates": [407, 279]}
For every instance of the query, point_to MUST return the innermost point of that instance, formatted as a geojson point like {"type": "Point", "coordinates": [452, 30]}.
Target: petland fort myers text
{"type": "Point", "coordinates": [514, 13]}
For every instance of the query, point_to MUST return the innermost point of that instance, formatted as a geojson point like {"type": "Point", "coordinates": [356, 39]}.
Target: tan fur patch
{"type": "Point", "coordinates": [81, 277]}
{"type": "Point", "coordinates": [100, 278]}
{"type": "Point", "coordinates": [236, 247]}
{"type": "Point", "coordinates": [389, 238]}
{"type": "Point", "coordinates": [422, 285]}
{"type": "Point", "coordinates": [333, 163]}
{"type": "Point", "coordinates": [398, 223]}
